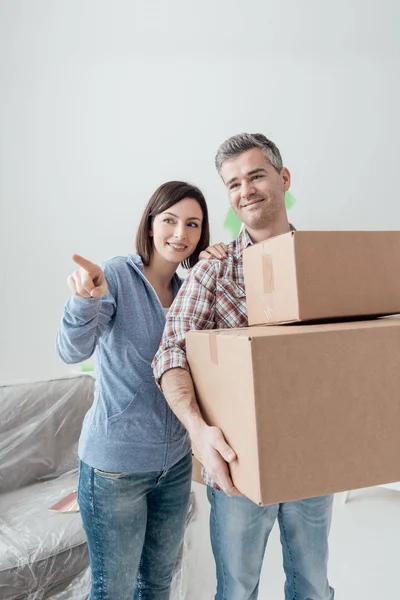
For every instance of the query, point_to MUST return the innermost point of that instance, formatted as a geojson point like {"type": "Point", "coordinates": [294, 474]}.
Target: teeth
{"type": "Point", "coordinates": [177, 247]}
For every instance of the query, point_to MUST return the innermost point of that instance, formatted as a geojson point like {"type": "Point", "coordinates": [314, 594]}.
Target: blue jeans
{"type": "Point", "coordinates": [239, 535]}
{"type": "Point", "coordinates": [134, 525]}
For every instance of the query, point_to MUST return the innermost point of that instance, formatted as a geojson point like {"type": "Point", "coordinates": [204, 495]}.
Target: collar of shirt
{"type": "Point", "coordinates": [243, 240]}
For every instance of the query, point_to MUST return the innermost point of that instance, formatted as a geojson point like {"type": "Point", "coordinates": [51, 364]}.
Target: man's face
{"type": "Point", "coordinates": [256, 190]}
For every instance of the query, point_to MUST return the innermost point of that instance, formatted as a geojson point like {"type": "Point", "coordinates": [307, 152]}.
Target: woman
{"type": "Point", "coordinates": [135, 458]}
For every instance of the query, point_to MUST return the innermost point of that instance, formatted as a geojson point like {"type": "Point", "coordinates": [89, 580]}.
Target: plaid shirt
{"type": "Point", "coordinates": [211, 297]}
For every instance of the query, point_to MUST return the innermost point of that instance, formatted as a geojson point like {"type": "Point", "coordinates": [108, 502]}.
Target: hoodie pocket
{"type": "Point", "coordinates": [144, 420]}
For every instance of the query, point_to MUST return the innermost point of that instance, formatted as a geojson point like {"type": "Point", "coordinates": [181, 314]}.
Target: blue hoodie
{"type": "Point", "coordinates": [130, 427]}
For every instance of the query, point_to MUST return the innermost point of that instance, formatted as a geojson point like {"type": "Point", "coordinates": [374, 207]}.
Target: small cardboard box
{"type": "Point", "coordinates": [309, 409]}
{"type": "Point", "coordinates": [313, 275]}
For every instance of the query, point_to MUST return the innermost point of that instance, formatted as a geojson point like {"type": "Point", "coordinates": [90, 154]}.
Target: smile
{"type": "Point", "coordinates": [177, 247]}
{"type": "Point", "coordinates": [252, 202]}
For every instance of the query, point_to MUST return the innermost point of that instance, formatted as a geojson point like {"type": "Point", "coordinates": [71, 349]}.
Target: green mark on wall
{"type": "Point", "coordinates": [232, 224]}
{"type": "Point", "coordinates": [290, 200]}
{"type": "Point", "coordinates": [87, 366]}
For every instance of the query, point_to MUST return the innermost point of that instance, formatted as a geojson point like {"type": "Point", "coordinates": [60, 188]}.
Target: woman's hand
{"type": "Point", "coordinates": [217, 251]}
{"type": "Point", "coordinates": [88, 281]}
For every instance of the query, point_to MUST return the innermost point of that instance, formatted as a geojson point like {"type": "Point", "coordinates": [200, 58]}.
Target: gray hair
{"type": "Point", "coordinates": [247, 141]}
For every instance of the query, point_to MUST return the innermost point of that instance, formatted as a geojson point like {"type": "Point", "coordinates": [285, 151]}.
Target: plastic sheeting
{"type": "Point", "coordinates": [43, 554]}
{"type": "Point", "coordinates": [180, 581]}
{"type": "Point", "coordinates": [40, 424]}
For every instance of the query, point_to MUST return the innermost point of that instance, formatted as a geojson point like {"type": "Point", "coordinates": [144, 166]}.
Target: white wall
{"type": "Point", "coordinates": [100, 102]}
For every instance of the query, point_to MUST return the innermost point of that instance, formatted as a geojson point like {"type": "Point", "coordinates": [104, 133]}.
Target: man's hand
{"type": "Point", "coordinates": [88, 281]}
{"type": "Point", "coordinates": [214, 453]}
{"type": "Point", "coordinates": [209, 443]}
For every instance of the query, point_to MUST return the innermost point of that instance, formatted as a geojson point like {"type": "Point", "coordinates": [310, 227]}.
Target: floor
{"type": "Point", "coordinates": [364, 550]}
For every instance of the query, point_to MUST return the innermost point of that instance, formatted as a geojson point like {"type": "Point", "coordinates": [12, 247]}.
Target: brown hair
{"type": "Point", "coordinates": [164, 197]}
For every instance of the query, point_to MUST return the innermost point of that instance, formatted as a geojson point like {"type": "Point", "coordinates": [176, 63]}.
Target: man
{"type": "Point", "coordinates": [213, 296]}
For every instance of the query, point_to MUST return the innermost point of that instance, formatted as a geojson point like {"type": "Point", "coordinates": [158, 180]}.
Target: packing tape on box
{"type": "Point", "coordinates": [268, 306]}
{"type": "Point", "coordinates": [212, 339]}
{"type": "Point", "coordinates": [268, 274]}
{"type": "Point", "coordinates": [268, 286]}
{"type": "Point", "coordinates": [213, 347]}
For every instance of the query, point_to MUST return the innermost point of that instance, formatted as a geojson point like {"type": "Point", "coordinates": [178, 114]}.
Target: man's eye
{"type": "Point", "coordinates": [233, 186]}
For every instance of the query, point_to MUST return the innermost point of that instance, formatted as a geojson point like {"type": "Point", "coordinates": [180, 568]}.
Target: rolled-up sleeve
{"type": "Point", "coordinates": [193, 308]}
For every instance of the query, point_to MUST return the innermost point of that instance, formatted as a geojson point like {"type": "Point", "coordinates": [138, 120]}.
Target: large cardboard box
{"type": "Point", "coordinates": [309, 409]}
{"type": "Point", "coordinates": [312, 275]}
{"type": "Point", "coordinates": [196, 471]}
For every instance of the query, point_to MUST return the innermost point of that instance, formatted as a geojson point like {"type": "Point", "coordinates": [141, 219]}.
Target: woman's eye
{"type": "Point", "coordinates": [193, 225]}
{"type": "Point", "coordinates": [167, 220]}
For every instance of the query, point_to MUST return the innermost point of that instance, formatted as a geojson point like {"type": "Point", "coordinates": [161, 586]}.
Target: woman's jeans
{"type": "Point", "coordinates": [134, 525]}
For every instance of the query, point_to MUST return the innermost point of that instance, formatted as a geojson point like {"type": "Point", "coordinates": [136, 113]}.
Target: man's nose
{"type": "Point", "coordinates": [247, 189]}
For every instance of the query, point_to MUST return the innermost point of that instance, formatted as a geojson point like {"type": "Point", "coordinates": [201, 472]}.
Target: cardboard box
{"type": "Point", "coordinates": [312, 275]}
{"type": "Point", "coordinates": [196, 472]}
{"type": "Point", "coordinates": [309, 409]}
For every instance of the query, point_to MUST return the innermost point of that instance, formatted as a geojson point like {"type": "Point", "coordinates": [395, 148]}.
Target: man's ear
{"type": "Point", "coordinates": [285, 173]}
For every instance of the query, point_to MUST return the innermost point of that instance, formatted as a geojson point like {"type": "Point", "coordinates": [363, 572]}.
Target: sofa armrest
{"type": "Point", "coordinates": [40, 424]}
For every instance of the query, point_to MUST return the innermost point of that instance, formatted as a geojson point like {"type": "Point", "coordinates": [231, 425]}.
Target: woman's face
{"type": "Point", "coordinates": [176, 231]}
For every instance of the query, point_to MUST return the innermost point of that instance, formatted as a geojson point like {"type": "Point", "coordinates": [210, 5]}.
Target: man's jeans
{"type": "Point", "coordinates": [134, 524]}
{"type": "Point", "coordinates": [239, 535]}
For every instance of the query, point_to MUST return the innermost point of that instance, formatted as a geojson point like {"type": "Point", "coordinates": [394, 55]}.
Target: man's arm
{"type": "Point", "coordinates": [211, 447]}
{"type": "Point", "coordinates": [193, 308]}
